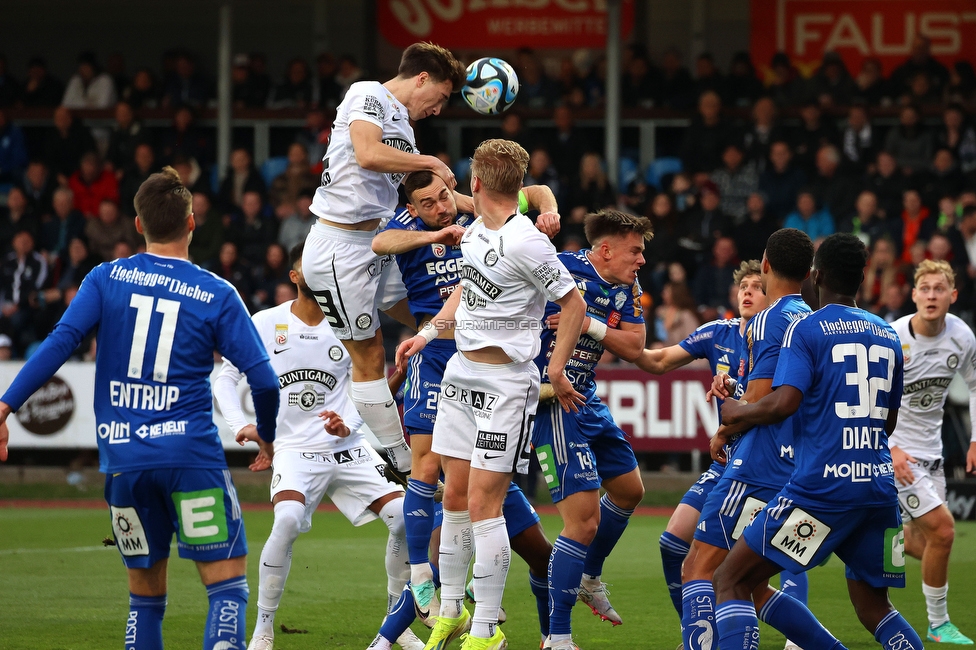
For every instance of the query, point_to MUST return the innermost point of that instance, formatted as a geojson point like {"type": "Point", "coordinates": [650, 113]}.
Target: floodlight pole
{"type": "Point", "coordinates": [612, 116]}
{"type": "Point", "coordinates": [223, 88]}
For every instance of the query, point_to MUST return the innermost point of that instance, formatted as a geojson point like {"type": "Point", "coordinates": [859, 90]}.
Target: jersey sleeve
{"type": "Point", "coordinates": [796, 361]}
{"type": "Point", "coordinates": [366, 104]}
{"type": "Point", "coordinates": [699, 343]}
{"type": "Point", "coordinates": [967, 368]}
{"type": "Point", "coordinates": [225, 392]}
{"type": "Point", "coordinates": [537, 258]}
{"type": "Point", "coordinates": [766, 340]}
{"type": "Point", "coordinates": [82, 315]}
{"type": "Point", "coordinates": [632, 310]}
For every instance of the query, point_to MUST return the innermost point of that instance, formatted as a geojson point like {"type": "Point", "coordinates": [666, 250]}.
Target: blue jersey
{"type": "Point", "coordinates": [430, 273]}
{"type": "Point", "coordinates": [160, 320]}
{"type": "Point", "coordinates": [721, 342]}
{"type": "Point", "coordinates": [607, 302]}
{"type": "Point", "coordinates": [849, 366]}
{"type": "Point", "coordinates": [763, 455]}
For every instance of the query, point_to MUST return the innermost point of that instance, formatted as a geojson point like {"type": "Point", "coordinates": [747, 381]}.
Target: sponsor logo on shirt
{"type": "Point", "coordinates": [305, 375]}
{"type": "Point", "coordinates": [489, 288]}
{"type": "Point", "coordinates": [547, 274]}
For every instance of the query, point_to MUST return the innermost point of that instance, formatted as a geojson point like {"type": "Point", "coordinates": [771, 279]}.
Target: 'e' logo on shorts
{"type": "Point", "coordinates": [202, 517]}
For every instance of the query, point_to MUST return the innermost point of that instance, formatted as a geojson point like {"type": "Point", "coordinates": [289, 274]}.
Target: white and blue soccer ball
{"type": "Point", "coordinates": [491, 86]}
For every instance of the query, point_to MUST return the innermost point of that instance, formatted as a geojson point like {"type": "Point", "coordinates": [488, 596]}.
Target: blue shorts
{"type": "Point", "coordinates": [697, 493]}
{"type": "Point", "coordinates": [578, 451]}
{"type": "Point", "coordinates": [519, 513]}
{"type": "Point", "coordinates": [199, 505]}
{"type": "Point", "coordinates": [870, 541]}
{"type": "Point", "coordinates": [422, 387]}
{"type": "Point", "coordinates": [729, 509]}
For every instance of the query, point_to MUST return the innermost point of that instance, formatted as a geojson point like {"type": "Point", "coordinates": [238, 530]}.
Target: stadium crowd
{"type": "Point", "coordinates": [739, 172]}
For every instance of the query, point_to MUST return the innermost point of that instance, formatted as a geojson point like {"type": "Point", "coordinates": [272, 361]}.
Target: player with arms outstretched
{"type": "Point", "coordinates": [936, 345]}
{"type": "Point", "coordinates": [840, 376]}
{"type": "Point", "coordinates": [160, 318]}
{"type": "Point", "coordinates": [319, 449]}
{"type": "Point", "coordinates": [371, 148]}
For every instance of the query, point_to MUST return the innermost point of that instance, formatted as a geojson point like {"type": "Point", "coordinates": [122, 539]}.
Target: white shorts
{"type": "Point", "coordinates": [353, 479]}
{"type": "Point", "coordinates": [926, 493]}
{"type": "Point", "coordinates": [485, 413]}
{"type": "Point", "coordinates": [351, 283]}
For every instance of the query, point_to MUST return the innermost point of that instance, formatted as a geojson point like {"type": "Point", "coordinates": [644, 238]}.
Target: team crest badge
{"type": "Point", "coordinates": [281, 333]}
{"type": "Point", "coordinates": [618, 300]}
{"type": "Point", "coordinates": [952, 362]}
{"type": "Point", "coordinates": [439, 250]}
{"type": "Point", "coordinates": [335, 353]}
{"type": "Point", "coordinates": [491, 258]}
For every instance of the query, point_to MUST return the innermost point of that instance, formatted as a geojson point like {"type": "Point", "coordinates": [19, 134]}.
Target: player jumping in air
{"type": "Point", "coordinates": [840, 376]}
{"type": "Point", "coordinates": [936, 345]}
{"type": "Point", "coordinates": [159, 319]}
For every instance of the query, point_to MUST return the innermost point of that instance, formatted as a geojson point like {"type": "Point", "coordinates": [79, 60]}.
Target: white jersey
{"type": "Point", "coordinates": [507, 276]}
{"type": "Point", "coordinates": [930, 364]}
{"type": "Point", "coordinates": [350, 194]}
{"type": "Point", "coordinates": [313, 371]}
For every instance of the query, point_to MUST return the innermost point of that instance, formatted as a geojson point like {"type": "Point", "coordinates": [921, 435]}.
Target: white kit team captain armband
{"type": "Point", "coordinates": [597, 330]}
{"type": "Point", "coordinates": [428, 331]}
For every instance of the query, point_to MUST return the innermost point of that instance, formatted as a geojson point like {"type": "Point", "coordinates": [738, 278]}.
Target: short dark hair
{"type": "Point", "coordinates": [841, 259]}
{"type": "Point", "coordinates": [790, 252]}
{"type": "Point", "coordinates": [162, 204]}
{"type": "Point", "coordinates": [604, 223]}
{"type": "Point", "coordinates": [416, 181]}
{"type": "Point", "coordinates": [968, 211]}
{"type": "Point", "coordinates": [295, 255]}
{"type": "Point", "coordinates": [436, 61]}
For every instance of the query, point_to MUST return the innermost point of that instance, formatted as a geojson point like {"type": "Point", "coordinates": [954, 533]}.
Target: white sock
{"type": "Point", "coordinates": [276, 561]}
{"type": "Point", "coordinates": [936, 604]}
{"type": "Point", "coordinates": [456, 550]}
{"type": "Point", "coordinates": [397, 564]}
{"type": "Point", "coordinates": [379, 643]}
{"type": "Point", "coordinates": [421, 573]}
{"type": "Point", "coordinates": [590, 581]}
{"type": "Point", "coordinates": [492, 557]}
{"type": "Point", "coordinates": [376, 405]}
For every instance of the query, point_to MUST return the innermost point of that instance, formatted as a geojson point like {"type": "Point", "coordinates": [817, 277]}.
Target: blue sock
{"type": "Point", "coordinates": [144, 627]}
{"type": "Point", "coordinates": [797, 622]}
{"type": "Point", "coordinates": [565, 572]}
{"type": "Point", "coordinates": [673, 552]}
{"type": "Point", "coordinates": [400, 617]}
{"type": "Point", "coordinates": [613, 522]}
{"type": "Point", "coordinates": [795, 585]}
{"type": "Point", "coordinates": [540, 589]}
{"type": "Point", "coordinates": [895, 632]}
{"type": "Point", "coordinates": [738, 626]}
{"type": "Point", "coordinates": [226, 618]}
{"type": "Point", "coordinates": [698, 615]}
{"type": "Point", "coordinates": [418, 518]}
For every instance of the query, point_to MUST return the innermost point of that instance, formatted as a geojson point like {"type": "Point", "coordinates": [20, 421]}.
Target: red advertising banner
{"type": "Point", "coordinates": [860, 29]}
{"type": "Point", "coordinates": [667, 413]}
{"type": "Point", "coordinates": [500, 24]}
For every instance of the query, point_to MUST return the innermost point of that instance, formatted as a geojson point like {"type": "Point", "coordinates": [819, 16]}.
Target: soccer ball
{"type": "Point", "coordinates": [491, 86]}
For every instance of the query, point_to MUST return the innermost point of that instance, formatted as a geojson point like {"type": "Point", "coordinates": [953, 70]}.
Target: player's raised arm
{"type": "Point", "coordinates": [375, 155]}
{"type": "Point", "coordinates": [663, 360]}
{"type": "Point", "coordinates": [393, 241]}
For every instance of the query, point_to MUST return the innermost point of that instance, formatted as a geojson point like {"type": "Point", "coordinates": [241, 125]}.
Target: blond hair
{"type": "Point", "coordinates": [927, 267]}
{"type": "Point", "coordinates": [747, 268]}
{"type": "Point", "coordinates": [501, 165]}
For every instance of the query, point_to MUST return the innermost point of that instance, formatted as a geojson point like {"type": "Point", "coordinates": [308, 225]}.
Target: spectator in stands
{"type": "Point", "coordinates": [706, 138]}
{"type": "Point", "coordinates": [9, 86]}
{"type": "Point", "coordinates": [786, 87]}
{"type": "Point", "coordinates": [38, 185]}
{"type": "Point", "coordinates": [967, 232]}
{"type": "Point", "coordinates": [259, 78]}
{"type": "Point", "coordinates": [815, 223]}
{"type": "Point", "coordinates": [104, 232]}
{"type": "Point", "coordinates": [677, 87]}
{"type": "Point", "coordinates": [744, 88]}
{"type": "Point", "coordinates": [711, 283]}
{"type": "Point", "coordinates": [831, 84]}
{"type": "Point", "coordinates": [209, 233]}
{"type": "Point", "coordinates": [328, 91]}
{"type": "Point", "coordinates": [781, 181]}
{"type": "Point", "coordinates": [637, 198]}
{"type": "Point", "coordinates": [191, 175]}
{"type": "Point", "coordinates": [66, 144]}
{"type": "Point", "coordinates": [859, 142]}
{"type": "Point", "coordinates": [571, 89]}
{"type": "Point", "coordinates": [867, 222]}
{"type": "Point", "coordinates": [536, 89]}
{"type": "Point", "coordinates": [297, 178]}
{"type": "Point", "coordinates": [871, 86]}
{"type": "Point", "coordinates": [348, 73]}
{"type": "Point", "coordinates": [89, 87]}
{"type": "Point", "coordinates": [920, 92]}
{"type": "Point", "coordinates": [909, 142]}
{"type": "Point", "coordinates": [703, 224]}
{"type": "Point", "coordinates": [13, 150]}
{"type": "Point", "coordinates": [892, 305]}
{"type": "Point", "coordinates": [920, 61]}
{"type": "Point", "coordinates": [92, 184]}
{"type": "Point", "coordinates": [253, 230]}
{"type": "Point", "coordinates": [763, 131]}
{"type": "Point", "coordinates": [187, 87]}
{"type": "Point", "coordinates": [814, 132]}
{"type": "Point", "coordinates": [513, 128]}
{"type": "Point", "coordinates": [568, 145]}
{"type": "Point", "coordinates": [115, 68]}
{"type": "Point", "coordinates": [888, 184]}
{"type": "Point", "coordinates": [708, 78]}
{"type": "Point", "coordinates": [143, 91]}
{"type": "Point", "coordinates": [230, 268]}
{"type": "Point", "coordinates": [958, 134]}
{"type": "Point", "coordinates": [683, 194]}
{"type": "Point", "coordinates": [917, 223]}
{"type": "Point", "coordinates": [69, 271]}
{"type": "Point", "coordinates": [736, 180]}
{"type": "Point", "coordinates": [16, 216]}
{"type": "Point", "coordinates": [662, 249]}
{"type": "Point", "coordinates": [640, 82]}
{"type": "Point", "coordinates": [542, 172]}
{"type": "Point", "coordinates": [134, 175]}
{"type": "Point", "coordinates": [62, 225]}
{"type": "Point", "coordinates": [126, 135]}
{"type": "Point", "coordinates": [6, 346]}
{"type": "Point", "coordinates": [269, 275]}
{"type": "Point", "coordinates": [833, 190]}
{"type": "Point", "coordinates": [242, 176]}
{"type": "Point", "coordinates": [41, 89]}
{"type": "Point", "coordinates": [591, 190]}
{"type": "Point", "coordinates": [962, 83]}
{"type": "Point", "coordinates": [245, 93]}
{"type": "Point", "coordinates": [941, 178]}
{"type": "Point", "coordinates": [676, 318]}
{"type": "Point", "coordinates": [184, 139]}
{"type": "Point", "coordinates": [294, 228]}
{"type": "Point", "coordinates": [751, 234]}
{"type": "Point", "coordinates": [22, 275]}
{"type": "Point", "coordinates": [284, 292]}
{"type": "Point", "coordinates": [881, 271]}
{"type": "Point", "coordinates": [296, 90]}
{"type": "Point", "coordinates": [315, 138]}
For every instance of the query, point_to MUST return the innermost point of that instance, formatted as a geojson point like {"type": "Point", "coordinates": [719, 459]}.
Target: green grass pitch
{"type": "Point", "coordinates": [61, 590]}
